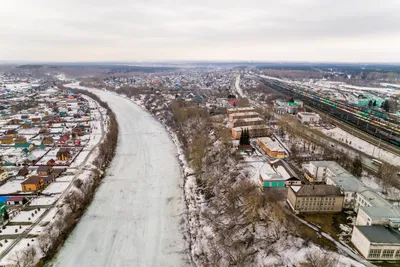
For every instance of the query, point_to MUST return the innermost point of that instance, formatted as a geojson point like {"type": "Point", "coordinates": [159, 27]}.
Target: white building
{"type": "Point", "coordinates": [350, 185]}
{"type": "Point", "coordinates": [308, 117]}
{"type": "Point", "coordinates": [369, 198]}
{"type": "Point", "coordinates": [386, 215]}
{"type": "Point", "coordinates": [377, 242]}
{"type": "Point", "coordinates": [318, 171]}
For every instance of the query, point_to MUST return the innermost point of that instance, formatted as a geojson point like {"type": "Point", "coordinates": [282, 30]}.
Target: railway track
{"type": "Point", "coordinates": [359, 133]}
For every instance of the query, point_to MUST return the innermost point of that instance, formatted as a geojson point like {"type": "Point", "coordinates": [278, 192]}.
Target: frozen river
{"type": "Point", "coordinates": [134, 219]}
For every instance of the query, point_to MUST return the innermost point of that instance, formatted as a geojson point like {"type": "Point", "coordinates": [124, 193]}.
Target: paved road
{"type": "Point", "coordinates": [237, 86]}
{"type": "Point", "coordinates": [134, 219]}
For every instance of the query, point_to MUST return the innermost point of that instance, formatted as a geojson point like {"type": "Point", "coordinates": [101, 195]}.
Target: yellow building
{"type": "Point", "coordinates": [6, 140]}
{"type": "Point", "coordinates": [33, 183]}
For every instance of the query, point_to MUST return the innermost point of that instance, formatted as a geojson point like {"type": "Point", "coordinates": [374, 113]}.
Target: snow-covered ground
{"type": "Point", "coordinates": [26, 216]}
{"type": "Point", "coordinates": [134, 219]}
{"type": "Point", "coordinates": [10, 187]}
{"type": "Point", "coordinates": [56, 188]}
{"type": "Point", "coordinates": [362, 145]}
{"type": "Point", "coordinates": [43, 201]}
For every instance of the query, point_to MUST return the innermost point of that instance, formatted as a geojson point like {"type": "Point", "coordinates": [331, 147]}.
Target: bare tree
{"type": "Point", "coordinates": [317, 259]}
{"type": "Point", "coordinates": [388, 174]}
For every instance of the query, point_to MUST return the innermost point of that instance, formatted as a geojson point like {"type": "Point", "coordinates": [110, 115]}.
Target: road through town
{"type": "Point", "coordinates": [134, 219]}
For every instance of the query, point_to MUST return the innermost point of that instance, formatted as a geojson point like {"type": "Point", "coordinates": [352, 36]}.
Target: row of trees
{"type": "Point", "coordinates": [244, 137]}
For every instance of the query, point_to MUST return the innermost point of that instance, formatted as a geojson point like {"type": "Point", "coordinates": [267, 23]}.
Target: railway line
{"type": "Point", "coordinates": [369, 127]}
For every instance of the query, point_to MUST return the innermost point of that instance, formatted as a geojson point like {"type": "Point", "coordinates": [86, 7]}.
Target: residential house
{"type": "Point", "coordinates": [254, 131]}
{"type": "Point", "coordinates": [315, 198]}
{"type": "Point", "coordinates": [33, 183]}
{"type": "Point", "coordinates": [350, 185]}
{"type": "Point", "coordinates": [11, 132]}
{"type": "Point", "coordinates": [48, 140]}
{"type": "Point", "coordinates": [26, 124]}
{"type": "Point", "coordinates": [14, 121]}
{"type": "Point", "coordinates": [6, 140]}
{"type": "Point", "coordinates": [44, 170]}
{"type": "Point", "coordinates": [3, 175]}
{"type": "Point", "coordinates": [20, 140]}
{"type": "Point", "coordinates": [64, 154]}
{"type": "Point", "coordinates": [23, 172]}
{"type": "Point", "coordinates": [377, 242]}
{"type": "Point", "coordinates": [271, 148]}
{"type": "Point", "coordinates": [16, 200]}
{"type": "Point", "coordinates": [49, 179]}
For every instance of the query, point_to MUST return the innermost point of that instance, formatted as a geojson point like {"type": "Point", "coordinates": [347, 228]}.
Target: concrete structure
{"type": "Point", "coordinates": [243, 115]}
{"type": "Point", "coordinates": [271, 148]}
{"type": "Point", "coordinates": [230, 111]}
{"type": "Point", "coordinates": [377, 242]}
{"type": "Point", "coordinates": [318, 171]}
{"type": "Point", "coordinates": [386, 215]}
{"type": "Point", "coordinates": [369, 198]}
{"type": "Point", "coordinates": [246, 122]}
{"type": "Point", "coordinates": [315, 198]}
{"type": "Point", "coordinates": [255, 131]}
{"type": "Point", "coordinates": [308, 117]}
{"type": "Point", "coordinates": [350, 185]}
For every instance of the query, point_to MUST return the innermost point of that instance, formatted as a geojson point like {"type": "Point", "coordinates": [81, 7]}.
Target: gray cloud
{"type": "Point", "coordinates": [98, 30]}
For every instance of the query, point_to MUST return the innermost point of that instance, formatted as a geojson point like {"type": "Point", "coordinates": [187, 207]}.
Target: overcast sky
{"type": "Point", "coordinates": [265, 30]}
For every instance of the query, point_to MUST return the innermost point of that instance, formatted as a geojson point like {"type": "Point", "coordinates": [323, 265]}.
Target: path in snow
{"type": "Point", "coordinates": [134, 219]}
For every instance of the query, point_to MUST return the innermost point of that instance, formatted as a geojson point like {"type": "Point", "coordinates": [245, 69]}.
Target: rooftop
{"type": "Point", "coordinates": [250, 127]}
{"type": "Point", "coordinates": [348, 183]}
{"type": "Point", "coordinates": [272, 145]}
{"type": "Point", "coordinates": [385, 212]}
{"type": "Point", "coordinates": [268, 173]}
{"type": "Point", "coordinates": [380, 234]}
{"type": "Point", "coordinates": [374, 199]}
{"type": "Point", "coordinates": [308, 114]}
{"type": "Point", "coordinates": [319, 190]}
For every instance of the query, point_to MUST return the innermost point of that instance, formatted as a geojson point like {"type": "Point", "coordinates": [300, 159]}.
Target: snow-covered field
{"type": "Point", "coordinates": [10, 187]}
{"type": "Point", "coordinates": [43, 201]}
{"type": "Point", "coordinates": [56, 188]}
{"type": "Point", "coordinates": [26, 216]}
{"type": "Point", "coordinates": [362, 145]}
{"type": "Point", "coordinates": [134, 219]}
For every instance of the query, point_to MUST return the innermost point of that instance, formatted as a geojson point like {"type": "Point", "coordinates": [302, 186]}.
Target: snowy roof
{"type": "Point", "coordinates": [268, 173]}
{"type": "Point", "coordinates": [374, 199]}
{"type": "Point", "coordinates": [295, 188]}
{"type": "Point", "coordinates": [348, 183]}
{"type": "Point", "coordinates": [272, 145]}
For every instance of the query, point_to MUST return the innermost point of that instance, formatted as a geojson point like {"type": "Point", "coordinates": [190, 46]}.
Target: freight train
{"type": "Point", "coordinates": [379, 124]}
